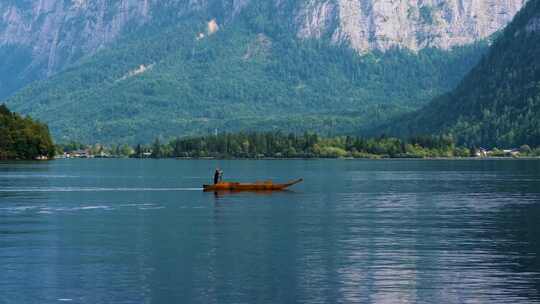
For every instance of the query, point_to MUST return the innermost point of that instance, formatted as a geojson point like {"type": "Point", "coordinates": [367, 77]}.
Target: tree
{"type": "Point", "coordinates": [139, 151]}
{"type": "Point", "coordinates": [525, 149]}
{"type": "Point", "coordinates": [23, 138]}
{"type": "Point", "coordinates": [157, 149]}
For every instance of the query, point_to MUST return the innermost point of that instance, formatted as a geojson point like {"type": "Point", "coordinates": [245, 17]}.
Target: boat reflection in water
{"type": "Point", "coordinates": [260, 193]}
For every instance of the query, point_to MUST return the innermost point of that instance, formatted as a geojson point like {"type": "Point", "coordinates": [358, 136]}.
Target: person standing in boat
{"type": "Point", "coordinates": [218, 176]}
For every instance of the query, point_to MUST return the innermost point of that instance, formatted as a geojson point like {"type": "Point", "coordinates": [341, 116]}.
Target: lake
{"type": "Point", "coordinates": [387, 231]}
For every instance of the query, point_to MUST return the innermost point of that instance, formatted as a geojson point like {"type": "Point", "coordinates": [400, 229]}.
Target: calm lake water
{"type": "Point", "coordinates": [142, 231]}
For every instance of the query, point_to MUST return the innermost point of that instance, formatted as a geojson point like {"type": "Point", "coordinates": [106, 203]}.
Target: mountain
{"type": "Point", "coordinates": [498, 102]}
{"type": "Point", "coordinates": [132, 69]}
{"type": "Point", "coordinates": [40, 38]}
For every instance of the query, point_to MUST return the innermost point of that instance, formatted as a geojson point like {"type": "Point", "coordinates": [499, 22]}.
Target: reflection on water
{"type": "Point", "coordinates": [131, 231]}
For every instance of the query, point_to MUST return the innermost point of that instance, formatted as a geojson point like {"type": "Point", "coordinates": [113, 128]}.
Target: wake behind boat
{"type": "Point", "coordinates": [257, 186]}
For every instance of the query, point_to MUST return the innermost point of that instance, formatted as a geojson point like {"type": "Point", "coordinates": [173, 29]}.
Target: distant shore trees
{"type": "Point", "coordinates": [307, 145]}
{"type": "Point", "coordinates": [256, 145]}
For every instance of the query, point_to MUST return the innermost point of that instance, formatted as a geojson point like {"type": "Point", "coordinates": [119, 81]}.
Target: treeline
{"type": "Point", "coordinates": [23, 138]}
{"type": "Point", "coordinates": [308, 145]}
{"type": "Point", "coordinates": [280, 145]}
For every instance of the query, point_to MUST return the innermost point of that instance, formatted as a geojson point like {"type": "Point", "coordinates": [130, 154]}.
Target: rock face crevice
{"type": "Point", "coordinates": [59, 32]}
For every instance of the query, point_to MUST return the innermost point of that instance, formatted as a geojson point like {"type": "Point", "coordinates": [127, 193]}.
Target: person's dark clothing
{"type": "Point", "coordinates": [216, 177]}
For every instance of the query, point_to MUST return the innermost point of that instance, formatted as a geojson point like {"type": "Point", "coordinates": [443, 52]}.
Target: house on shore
{"type": "Point", "coordinates": [482, 152]}
{"type": "Point", "coordinates": [79, 154]}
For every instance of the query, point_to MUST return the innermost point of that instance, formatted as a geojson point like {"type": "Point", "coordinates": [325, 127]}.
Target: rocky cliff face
{"type": "Point", "coordinates": [414, 24]}
{"type": "Point", "coordinates": [58, 32]}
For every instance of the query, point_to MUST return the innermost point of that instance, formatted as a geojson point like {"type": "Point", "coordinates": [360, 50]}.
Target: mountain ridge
{"type": "Point", "coordinates": [498, 102]}
{"type": "Point", "coordinates": [173, 85]}
{"type": "Point", "coordinates": [48, 35]}
{"type": "Point", "coordinates": [236, 65]}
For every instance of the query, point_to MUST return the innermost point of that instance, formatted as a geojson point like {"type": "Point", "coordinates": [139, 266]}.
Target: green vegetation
{"type": "Point", "coordinates": [308, 145]}
{"type": "Point", "coordinates": [253, 75]}
{"type": "Point", "coordinates": [280, 145]}
{"type": "Point", "coordinates": [498, 102]}
{"type": "Point", "coordinates": [255, 145]}
{"type": "Point", "coordinates": [22, 137]}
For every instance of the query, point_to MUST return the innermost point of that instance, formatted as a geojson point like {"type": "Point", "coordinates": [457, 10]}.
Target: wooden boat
{"type": "Point", "coordinates": [258, 186]}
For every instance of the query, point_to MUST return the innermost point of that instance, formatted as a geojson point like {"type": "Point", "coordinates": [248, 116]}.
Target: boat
{"type": "Point", "coordinates": [257, 186]}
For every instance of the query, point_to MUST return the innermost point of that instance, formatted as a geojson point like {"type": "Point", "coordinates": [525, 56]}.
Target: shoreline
{"type": "Point", "coordinates": [298, 158]}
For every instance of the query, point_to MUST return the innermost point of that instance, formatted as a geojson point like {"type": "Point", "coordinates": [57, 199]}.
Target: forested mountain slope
{"type": "Point", "coordinates": [41, 38]}
{"type": "Point", "coordinates": [165, 82]}
{"type": "Point", "coordinates": [130, 70]}
{"type": "Point", "coordinates": [23, 137]}
{"type": "Point", "coordinates": [498, 102]}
